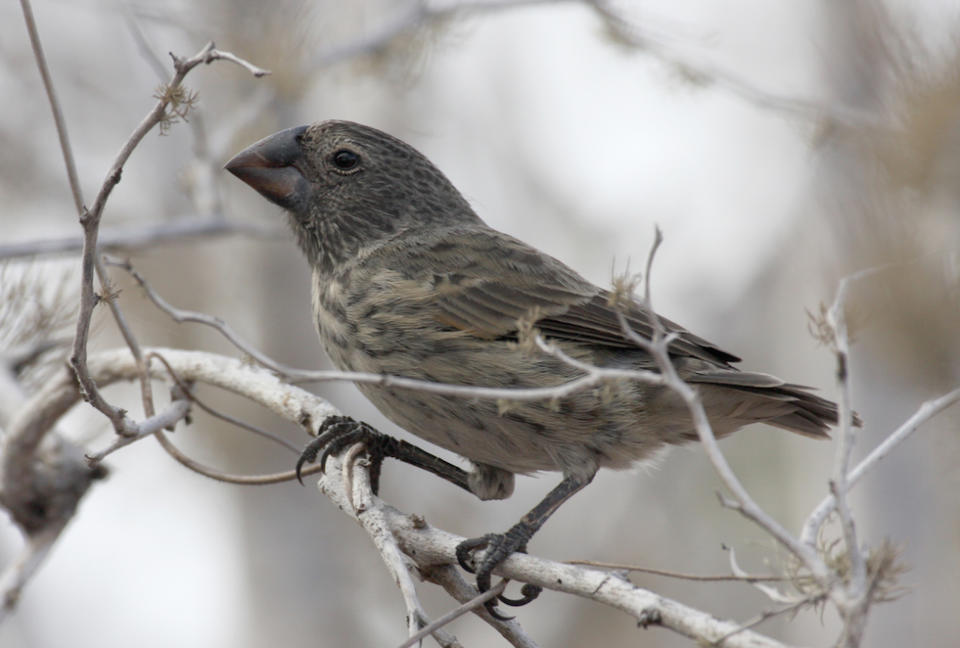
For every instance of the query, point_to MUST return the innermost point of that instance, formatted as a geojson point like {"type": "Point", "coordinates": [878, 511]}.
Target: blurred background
{"type": "Point", "coordinates": [780, 147]}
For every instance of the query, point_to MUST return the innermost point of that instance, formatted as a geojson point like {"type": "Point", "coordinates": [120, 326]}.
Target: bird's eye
{"type": "Point", "coordinates": [345, 160]}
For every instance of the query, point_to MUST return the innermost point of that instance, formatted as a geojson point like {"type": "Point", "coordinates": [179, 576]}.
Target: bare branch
{"type": "Point", "coordinates": [658, 347]}
{"type": "Point", "coordinates": [718, 578]}
{"type": "Point", "coordinates": [177, 411]}
{"type": "Point", "coordinates": [180, 315]}
{"type": "Point", "coordinates": [359, 494]}
{"type": "Point", "coordinates": [58, 119]}
{"type": "Point", "coordinates": [836, 319]}
{"type": "Point", "coordinates": [927, 411]}
{"type": "Point", "coordinates": [594, 375]}
{"type": "Point", "coordinates": [181, 230]}
{"type": "Point", "coordinates": [16, 575]}
{"type": "Point", "coordinates": [185, 389]}
{"type": "Point", "coordinates": [456, 613]}
{"type": "Point", "coordinates": [429, 547]}
{"type": "Point", "coordinates": [173, 98]}
{"type": "Point", "coordinates": [452, 581]}
{"type": "Point", "coordinates": [233, 58]}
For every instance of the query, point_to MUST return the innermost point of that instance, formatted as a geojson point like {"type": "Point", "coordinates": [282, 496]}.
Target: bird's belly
{"type": "Point", "coordinates": [597, 426]}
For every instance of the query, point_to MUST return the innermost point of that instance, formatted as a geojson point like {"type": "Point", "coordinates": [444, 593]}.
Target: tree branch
{"type": "Point", "coordinates": [177, 231]}
{"type": "Point", "coordinates": [429, 547]}
{"type": "Point", "coordinates": [426, 547]}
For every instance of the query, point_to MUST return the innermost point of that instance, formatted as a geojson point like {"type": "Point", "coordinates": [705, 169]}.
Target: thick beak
{"type": "Point", "coordinates": [272, 167]}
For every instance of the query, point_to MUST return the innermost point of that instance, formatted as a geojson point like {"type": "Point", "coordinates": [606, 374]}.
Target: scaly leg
{"type": "Point", "coordinates": [500, 545]}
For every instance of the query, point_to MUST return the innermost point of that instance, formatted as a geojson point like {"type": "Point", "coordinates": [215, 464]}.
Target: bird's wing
{"type": "Point", "coordinates": [491, 281]}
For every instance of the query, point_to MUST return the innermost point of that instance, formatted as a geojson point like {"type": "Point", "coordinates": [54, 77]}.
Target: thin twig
{"type": "Point", "coordinates": [233, 58]}
{"type": "Point", "coordinates": [58, 119]}
{"type": "Point", "coordinates": [926, 411]}
{"type": "Point", "coordinates": [185, 229]}
{"type": "Point", "coordinates": [836, 318]}
{"type": "Point", "coordinates": [658, 347]}
{"type": "Point", "coordinates": [593, 375]}
{"type": "Point", "coordinates": [363, 507]}
{"type": "Point", "coordinates": [450, 578]}
{"type": "Point", "coordinates": [172, 94]}
{"type": "Point", "coordinates": [456, 613]}
{"type": "Point", "coordinates": [708, 578]}
{"type": "Point", "coordinates": [181, 315]}
{"type": "Point", "coordinates": [428, 547]}
{"type": "Point", "coordinates": [16, 575]}
{"type": "Point", "coordinates": [232, 420]}
{"type": "Point", "coordinates": [177, 411]}
{"type": "Point", "coordinates": [760, 618]}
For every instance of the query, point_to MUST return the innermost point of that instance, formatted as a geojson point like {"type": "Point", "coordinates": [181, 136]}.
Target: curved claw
{"type": "Point", "coordinates": [495, 613]}
{"type": "Point", "coordinates": [498, 547]}
{"type": "Point", "coordinates": [528, 593]}
{"type": "Point", "coordinates": [309, 455]}
{"type": "Point", "coordinates": [335, 433]}
{"type": "Point", "coordinates": [463, 552]}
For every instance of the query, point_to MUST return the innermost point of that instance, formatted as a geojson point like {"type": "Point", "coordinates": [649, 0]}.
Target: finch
{"type": "Point", "coordinates": [409, 281]}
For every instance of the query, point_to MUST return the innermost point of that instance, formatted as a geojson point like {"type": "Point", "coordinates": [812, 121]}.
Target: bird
{"type": "Point", "coordinates": [407, 280]}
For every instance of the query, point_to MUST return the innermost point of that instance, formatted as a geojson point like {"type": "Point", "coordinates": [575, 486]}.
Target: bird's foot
{"type": "Point", "coordinates": [338, 432]}
{"type": "Point", "coordinates": [496, 548]}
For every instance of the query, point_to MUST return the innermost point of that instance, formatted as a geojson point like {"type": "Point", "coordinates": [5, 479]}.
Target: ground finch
{"type": "Point", "coordinates": [407, 280]}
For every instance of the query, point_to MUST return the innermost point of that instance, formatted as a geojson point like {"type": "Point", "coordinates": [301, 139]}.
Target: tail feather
{"type": "Point", "coordinates": [806, 413]}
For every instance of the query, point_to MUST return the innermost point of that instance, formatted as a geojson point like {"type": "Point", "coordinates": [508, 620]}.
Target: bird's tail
{"type": "Point", "coordinates": [773, 401]}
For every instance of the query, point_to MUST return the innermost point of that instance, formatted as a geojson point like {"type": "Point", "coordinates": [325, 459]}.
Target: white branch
{"type": "Point", "coordinates": [927, 411]}
{"type": "Point", "coordinates": [429, 547]}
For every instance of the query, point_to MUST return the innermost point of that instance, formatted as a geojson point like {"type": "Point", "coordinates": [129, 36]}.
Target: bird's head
{"type": "Point", "coordinates": [348, 187]}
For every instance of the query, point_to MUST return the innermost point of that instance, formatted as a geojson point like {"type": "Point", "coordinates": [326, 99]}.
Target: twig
{"type": "Point", "coordinates": [227, 478]}
{"type": "Point", "coordinates": [233, 58]}
{"type": "Point", "coordinates": [594, 375]}
{"type": "Point", "coordinates": [260, 386]}
{"type": "Point", "coordinates": [172, 95]}
{"type": "Point", "coordinates": [452, 581]}
{"type": "Point", "coordinates": [87, 297]}
{"type": "Point", "coordinates": [709, 578]}
{"type": "Point", "coordinates": [658, 347]}
{"type": "Point", "coordinates": [180, 315]}
{"type": "Point", "coordinates": [48, 86]}
{"type": "Point", "coordinates": [426, 546]}
{"type": "Point", "coordinates": [16, 575]}
{"type": "Point", "coordinates": [182, 230]}
{"type": "Point", "coordinates": [456, 613]}
{"type": "Point", "coordinates": [771, 593]}
{"type": "Point", "coordinates": [362, 507]}
{"type": "Point", "coordinates": [232, 420]}
{"type": "Point", "coordinates": [927, 411]}
{"type": "Point", "coordinates": [763, 616]}
{"type": "Point", "coordinates": [177, 411]}
{"type": "Point", "coordinates": [429, 546]}
{"type": "Point", "coordinates": [836, 319]}
{"type": "Point", "coordinates": [110, 296]}
{"type": "Point", "coordinates": [39, 485]}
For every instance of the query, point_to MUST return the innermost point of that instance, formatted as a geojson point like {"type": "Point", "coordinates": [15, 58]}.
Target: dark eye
{"type": "Point", "coordinates": [345, 160]}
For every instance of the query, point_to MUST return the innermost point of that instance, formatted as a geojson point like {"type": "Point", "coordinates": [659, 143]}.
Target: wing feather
{"type": "Point", "coordinates": [506, 280]}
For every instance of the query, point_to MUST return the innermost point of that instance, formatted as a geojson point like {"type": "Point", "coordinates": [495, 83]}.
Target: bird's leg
{"type": "Point", "coordinates": [338, 432]}
{"type": "Point", "coordinates": [500, 545]}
